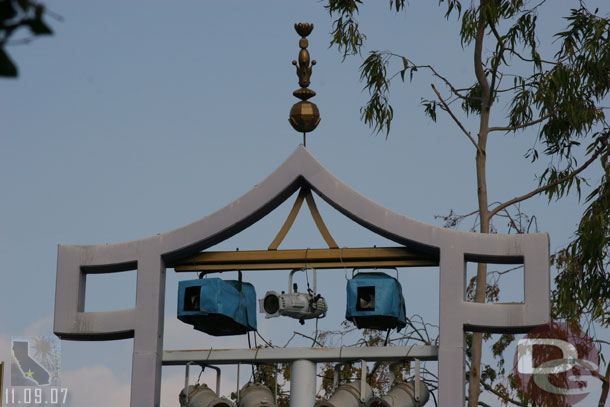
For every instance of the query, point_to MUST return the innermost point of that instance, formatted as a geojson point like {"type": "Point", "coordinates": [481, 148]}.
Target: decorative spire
{"type": "Point", "coordinates": [304, 115]}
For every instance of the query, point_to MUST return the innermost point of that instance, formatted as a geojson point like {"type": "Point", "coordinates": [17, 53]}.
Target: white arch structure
{"type": "Point", "coordinates": [149, 256]}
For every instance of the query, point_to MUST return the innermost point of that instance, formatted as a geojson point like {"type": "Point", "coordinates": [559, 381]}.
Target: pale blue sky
{"type": "Point", "coordinates": [138, 117]}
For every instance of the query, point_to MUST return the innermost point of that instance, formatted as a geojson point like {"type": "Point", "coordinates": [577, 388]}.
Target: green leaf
{"type": "Point", "coordinates": [7, 10]}
{"type": "Point", "coordinates": [7, 67]}
{"type": "Point", "coordinates": [38, 27]}
{"type": "Point", "coordinates": [25, 4]}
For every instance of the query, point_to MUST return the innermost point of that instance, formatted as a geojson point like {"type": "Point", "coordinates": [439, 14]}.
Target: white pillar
{"type": "Point", "coordinates": [302, 383]}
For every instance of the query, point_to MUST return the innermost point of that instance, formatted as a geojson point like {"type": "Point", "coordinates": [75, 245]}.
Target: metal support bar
{"type": "Point", "coordinates": [275, 390]}
{"type": "Point", "coordinates": [336, 374]}
{"type": "Point", "coordinates": [417, 383]}
{"type": "Point", "coordinates": [306, 258]}
{"type": "Point", "coordinates": [290, 286]}
{"type": "Point", "coordinates": [186, 382]}
{"type": "Point", "coordinates": [392, 376]}
{"type": "Point", "coordinates": [287, 355]}
{"type": "Point", "coordinates": [363, 374]}
{"type": "Point", "coordinates": [237, 390]}
{"type": "Point", "coordinates": [1, 382]}
{"type": "Point", "coordinates": [217, 378]}
{"type": "Point", "coordinates": [289, 221]}
{"type": "Point", "coordinates": [304, 193]}
{"type": "Point", "coordinates": [315, 214]}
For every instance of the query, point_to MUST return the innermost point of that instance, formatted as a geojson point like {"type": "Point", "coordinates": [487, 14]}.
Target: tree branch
{"type": "Point", "coordinates": [435, 73]}
{"type": "Point", "coordinates": [497, 393]}
{"type": "Point", "coordinates": [521, 126]}
{"type": "Point", "coordinates": [605, 387]}
{"type": "Point", "coordinates": [545, 187]}
{"type": "Point", "coordinates": [308, 337]}
{"type": "Point", "coordinates": [521, 57]}
{"type": "Point", "coordinates": [461, 126]}
{"type": "Point", "coordinates": [478, 64]}
{"type": "Point", "coordinates": [500, 56]}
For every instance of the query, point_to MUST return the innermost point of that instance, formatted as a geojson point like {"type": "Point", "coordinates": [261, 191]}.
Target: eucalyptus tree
{"type": "Point", "coordinates": [14, 15]}
{"type": "Point", "coordinates": [555, 100]}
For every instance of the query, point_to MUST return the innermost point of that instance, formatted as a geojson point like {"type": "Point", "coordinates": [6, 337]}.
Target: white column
{"type": "Point", "coordinates": [302, 383]}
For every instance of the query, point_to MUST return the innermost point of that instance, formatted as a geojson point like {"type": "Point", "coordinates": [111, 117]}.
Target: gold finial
{"type": "Point", "coordinates": [304, 115]}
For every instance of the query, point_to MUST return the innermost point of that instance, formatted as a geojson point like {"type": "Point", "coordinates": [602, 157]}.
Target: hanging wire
{"type": "Point", "coordinates": [307, 279]}
{"type": "Point", "coordinates": [343, 264]}
{"type": "Point", "coordinates": [387, 337]}
{"type": "Point", "coordinates": [315, 338]}
{"type": "Point", "coordinates": [200, 373]}
{"type": "Point", "coordinates": [264, 340]}
{"type": "Point", "coordinates": [250, 346]}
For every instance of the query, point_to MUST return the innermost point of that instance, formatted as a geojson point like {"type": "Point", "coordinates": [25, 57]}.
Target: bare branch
{"type": "Point", "coordinates": [521, 126]}
{"type": "Point", "coordinates": [461, 126]}
{"type": "Point", "coordinates": [545, 187]}
{"type": "Point", "coordinates": [500, 273]}
{"type": "Point", "coordinates": [521, 57]}
{"type": "Point", "coordinates": [21, 41]}
{"type": "Point", "coordinates": [412, 64]}
{"type": "Point", "coordinates": [308, 337]}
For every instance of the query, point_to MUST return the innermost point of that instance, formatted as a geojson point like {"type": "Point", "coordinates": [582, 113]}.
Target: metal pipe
{"type": "Point", "coordinates": [1, 382]}
{"type": "Point", "coordinates": [336, 374]}
{"type": "Point", "coordinates": [217, 378]}
{"type": "Point", "coordinates": [363, 381]}
{"type": "Point", "coordinates": [417, 382]}
{"type": "Point", "coordinates": [237, 391]}
{"type": "Point", "coordinates": [275, 392]}
{"type": "Point", "coordinates": [186, 382]}
{"type": "Point", "coordinates": [290, 280]}
{"type": "Point", "coordinates": [302, 383]}
{"type": "Point", "coordinates": [282, 355]}
{"type": "Point", "coordinates": [315, 279]}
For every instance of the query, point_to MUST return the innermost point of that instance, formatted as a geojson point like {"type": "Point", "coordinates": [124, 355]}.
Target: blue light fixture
{"type": "Point", "coordinates": [217, 307]}
{"type": "Point", "coordinates": [375, 301]}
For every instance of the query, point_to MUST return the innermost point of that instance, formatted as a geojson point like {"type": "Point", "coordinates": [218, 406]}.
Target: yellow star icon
{"type": "Point", "coordinates": [29, 373]}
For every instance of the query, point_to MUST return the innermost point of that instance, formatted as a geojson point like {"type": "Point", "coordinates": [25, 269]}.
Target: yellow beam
{"type": "Point", "coordinates": [289, 221]}
{"type": "Point", "coordinates": [369, 257]}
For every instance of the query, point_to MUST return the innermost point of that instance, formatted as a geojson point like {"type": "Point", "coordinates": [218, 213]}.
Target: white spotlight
{"type": "Point", "coordinates": [296, 305]}
{"type": "Point", "coordinates": [347, 395]}
{"type": "Point", "coordinates": [200, 395]}
{"type": "Point", "coordinates": [403, 394]}
{"type": "Point", "coordinates": [255, 395]}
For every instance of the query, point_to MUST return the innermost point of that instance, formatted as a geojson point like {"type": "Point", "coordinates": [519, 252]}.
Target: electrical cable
{"type": "Point", "coordinates": [264, 340]}
{"type": "Point", "coordinates": [387, 337]}
{"type": "Point", "coordinates": [315, 338]}
{"type": "Point", "coordinates": [250, 347]}
{"type": "Point", "coordinates": [200, 373]}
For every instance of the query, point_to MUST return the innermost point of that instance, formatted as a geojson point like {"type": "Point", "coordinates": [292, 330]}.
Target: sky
{"type": "Point", "coordinates": [137, 118]}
